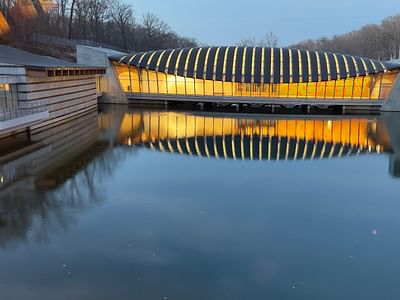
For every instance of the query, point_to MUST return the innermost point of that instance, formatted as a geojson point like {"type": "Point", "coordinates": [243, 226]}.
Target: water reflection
{"type": "Point", "coordinates": [47, 173]}
{"type": "Point", "coordinates": [249, 137]}
{"type": "Point", "coordinates": [150, 200]}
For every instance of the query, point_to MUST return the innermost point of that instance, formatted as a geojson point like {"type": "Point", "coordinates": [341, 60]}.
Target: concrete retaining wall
{"type": "Point", "coordinates": [63, 99]}
{"type": "Point", "coordinates": [110, 85]}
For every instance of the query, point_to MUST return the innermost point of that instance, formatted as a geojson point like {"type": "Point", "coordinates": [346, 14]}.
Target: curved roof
{"type": "Point", "coordinates": [256, 64]}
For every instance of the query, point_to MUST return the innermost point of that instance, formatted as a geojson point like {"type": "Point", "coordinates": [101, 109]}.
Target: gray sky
{"type": "Point", "coordinates": [224, 22]}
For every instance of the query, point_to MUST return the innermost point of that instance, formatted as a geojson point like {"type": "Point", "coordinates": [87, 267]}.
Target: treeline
{"type": "Point", "coordinates": [268, 40]}
{"type": "Point", "coordinates": [374, 41]}
{"type": "Point", "coordinates": [108, 22]}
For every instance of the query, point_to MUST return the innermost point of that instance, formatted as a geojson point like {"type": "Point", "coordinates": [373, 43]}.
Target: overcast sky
{"type": "Point", "coordinates": [225, 22]}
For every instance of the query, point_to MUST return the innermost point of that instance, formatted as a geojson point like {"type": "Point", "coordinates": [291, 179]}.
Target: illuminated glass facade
{"type": "Point", "coordinates": [255, 72]}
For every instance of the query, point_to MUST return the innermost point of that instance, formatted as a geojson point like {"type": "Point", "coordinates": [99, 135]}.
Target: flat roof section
{"type": "Point", "coordinates": [14, 56]}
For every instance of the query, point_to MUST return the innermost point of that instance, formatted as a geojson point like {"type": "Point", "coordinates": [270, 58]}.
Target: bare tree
{"type": "Point", "coordinates": [155, 31]}
{"type": "Point", "coordinates": [269, 40]}
{"type": "Point", "coordinates": [61, 14]}
{"type": "Point", "coordinates": [391, 29]}
{"type": "Point", "coordinates": [71, 14]}
{"type": "Point", "coordinates": [108, 22]}
{"type": "Point", "coordinates": [98, 10]}
{"type": "Point", "coordinates": [248, 42]}
{"type": "Point", "coordinates": [122, 15]}
{"type": "Point", "coordinates": [376, 41]}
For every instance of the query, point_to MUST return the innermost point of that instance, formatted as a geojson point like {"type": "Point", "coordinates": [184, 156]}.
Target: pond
{"type": "Point", "coordinates": [158, 203]}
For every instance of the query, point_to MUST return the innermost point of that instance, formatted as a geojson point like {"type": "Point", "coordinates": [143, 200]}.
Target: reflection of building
{"type": "Point", "coordinates": [45, 174]}
{"type": "Point", "coordinates": [256, 73]}
{"type": "Point", "coordinates": [50, 156]}
{"type": "Point", "coordinates": [250, 137]}
{"type": "Point", "coordinates": [236, 137]}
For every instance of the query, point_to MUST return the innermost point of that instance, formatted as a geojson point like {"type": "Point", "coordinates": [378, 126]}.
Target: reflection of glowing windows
{"type": "Point", "coordinates": [263, 139]}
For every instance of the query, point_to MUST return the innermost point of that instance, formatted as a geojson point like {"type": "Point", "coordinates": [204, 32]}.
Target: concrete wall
{"type": "Point", "coordinates": [12, 74]}
{"type": "Point", "coordinates": [393, 101]}
{"type": "Point", "coordinates": [62, 98]}
{"type": "Point", "coordinates": [110, 85]}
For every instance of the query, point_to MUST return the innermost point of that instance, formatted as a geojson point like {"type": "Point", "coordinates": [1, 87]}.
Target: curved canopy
{"type": "Point", "coordinates": [256, 64]}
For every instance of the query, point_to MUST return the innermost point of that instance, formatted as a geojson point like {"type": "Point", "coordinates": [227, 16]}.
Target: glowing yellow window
{"type": "Point", "coordinates": [209, 88]}
{"type": "Point", "coordinates": [237, 89]}
{"type": "Point", "coordinates": [387, 83]}
{"type": "Point", "coordinates": [218, 88]}
{"type": "Point", "coordinates": [199, 87]}
{"type": "Point", "coordinates": [283, 90]}
{"type": "Point", "coordinates": [358, 81]}
{"type": "Point", "coordinates": [171, 84]}
{"type": "Point", "coordinates": [180, 85]}
{"type": "Point", "coordinates": [228, 88]}
{"type": "Point", "coordinates": [246, 89]}
{"type": "Point", "coordinates": [311, 90]}
{"type": "Point", "coordinates": [366, 88]}
{"type": "Point", "coordinates": [123, 76]}
{"type": "Point", "coordinates": [144, 80]}
{"type": "Point", "coordinates": [330, 89]}
{"type": "Point", "coordinates": [274, 90]}
{"type": "Point", "coordinates": [265, 90]}
{"type": "Point", "coordinates": [162, 83]}
{"type": "Point", "coordinates": [293, 90]}
{"type": "Point", "coordinates": [348, 88]}
{"type": "Point", "coordinates": [339, 89]}
{"type": "Point", "coordinates": [153, 88]}
{"type": "Point", "coordinates": [321, 89]}
{"type": "Point", "coordinates": [302, 90]}
{"type": "Point", "coordinates": [134, 80]}
{"type": "Point", "coordinates": [190, 86]}
{"type": "Point", "coordinates": [255, 89]}
{"type": "Point", "coordinates": [376, 84]}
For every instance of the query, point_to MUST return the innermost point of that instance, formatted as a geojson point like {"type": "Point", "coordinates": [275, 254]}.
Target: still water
{"type": "Point", "coordinates": [136, 203]}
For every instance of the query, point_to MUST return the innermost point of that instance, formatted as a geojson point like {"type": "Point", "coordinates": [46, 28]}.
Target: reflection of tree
{"type": "Point", "coordinates": [29, 212]}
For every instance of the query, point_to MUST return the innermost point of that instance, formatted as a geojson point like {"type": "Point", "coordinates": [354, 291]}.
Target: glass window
{"type": "Point", "coordinates": [199, 87]}
{"type": "Point", "coordinates": [311, 89]}
{"type": "Point", "coordinates": [348, 88]}
{"type": "Point", "coordinates": [302, 90]}
{"type": "Point", "coordinates": [218, 88]}
{"type": "Point", "coordinates": [330, 89]}
{"type": "Point", "coordinates": [190, 86]}
{"type": "Point", "coordinates": [180, 85]}
{"type": "Point", "coordinates": [339, 89]}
